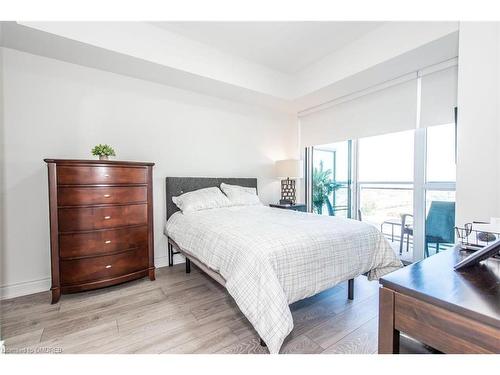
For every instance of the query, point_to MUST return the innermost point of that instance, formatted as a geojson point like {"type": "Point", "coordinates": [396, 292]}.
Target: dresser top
{"type": "Point", "coordinates": [97, 162]}
{"type": "Point", "coordinates": [474, 291]}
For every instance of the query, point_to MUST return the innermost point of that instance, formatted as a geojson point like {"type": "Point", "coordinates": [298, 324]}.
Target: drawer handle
{"type": "Point", "coordinates": [107, 195]}
{"type": "Point", "coordinates": [107, 217]}
{"type": "Point", "coordinates": [106, 175]}
{"type": "Point", "coordinates": [107, 241]}
{"type": "Point", "coordinates": [108, 266]}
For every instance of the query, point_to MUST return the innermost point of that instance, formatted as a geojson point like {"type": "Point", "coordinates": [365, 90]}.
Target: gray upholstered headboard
{"type": "Point", "coordinates": [178, 185]}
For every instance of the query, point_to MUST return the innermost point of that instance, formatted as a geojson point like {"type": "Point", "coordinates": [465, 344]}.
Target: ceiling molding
{"type": "Point", "coordinates": [150, 43]}
{"type": "Point", "coordinates": [245, 82]}
{"type": "Point", "coordinates": [49, 45]}
{"type": "Point", "coordinates": [284, 46]}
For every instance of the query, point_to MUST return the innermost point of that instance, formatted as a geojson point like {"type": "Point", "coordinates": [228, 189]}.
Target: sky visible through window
{"type": "Point", "coordinates": [386, 158]}
{"type": "Point", "coordinates": [441, 153]}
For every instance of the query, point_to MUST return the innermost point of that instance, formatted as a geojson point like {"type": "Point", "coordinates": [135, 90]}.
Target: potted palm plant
{"type": "Point", "coordinates": [103, 151]}
{"type": "Point", "coordinates": [322, 187]}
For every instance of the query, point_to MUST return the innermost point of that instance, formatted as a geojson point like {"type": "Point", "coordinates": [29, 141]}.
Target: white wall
{"type": "Point", "coordinates": [478, 136]}
{"type": "Point", "coordinates": [2, 211]}
{"type": "Point", "coordinates": [60, 110]}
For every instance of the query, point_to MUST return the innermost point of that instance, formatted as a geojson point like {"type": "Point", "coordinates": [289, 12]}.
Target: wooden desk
{"type": "Point", "coordinates": [454, 312]}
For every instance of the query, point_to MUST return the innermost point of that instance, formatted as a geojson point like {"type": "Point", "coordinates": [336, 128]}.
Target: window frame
{"type": "Point", "coordinates": [420, 185]}
{"type": "Point", "coordinates": [308, 166]}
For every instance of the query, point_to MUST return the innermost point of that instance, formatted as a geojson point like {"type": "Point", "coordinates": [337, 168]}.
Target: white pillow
{"type": "Point", "coordinates": [201, 199]}
{"type": "Point", "coordinates": [240, 195]}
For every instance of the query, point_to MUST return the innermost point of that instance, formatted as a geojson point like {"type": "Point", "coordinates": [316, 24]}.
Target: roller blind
{"type": "Point", "coordinates": [439, 97]}
{"type": "Point", "coordinates": [386, 110]}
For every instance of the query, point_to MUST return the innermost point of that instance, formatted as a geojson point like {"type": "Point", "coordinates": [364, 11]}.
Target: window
{"type": "Point", "coordinates": [395, 187]}
{"type": "Point", "coordinates": [331, 179]}
{"type": "Point", "coordinates": [441, 165]}
{"type": "Point", "coordinates": [385, 183]}
{"type": "Point", "coordinates": [403, 179]}
{"type": "Point", "coordinates": [386, 158]}
{"type": "Point", "coordinates": [440, 189]}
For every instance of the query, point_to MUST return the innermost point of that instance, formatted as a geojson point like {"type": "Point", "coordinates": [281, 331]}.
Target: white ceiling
{"type": "Point", "coordinates": [284, 46]}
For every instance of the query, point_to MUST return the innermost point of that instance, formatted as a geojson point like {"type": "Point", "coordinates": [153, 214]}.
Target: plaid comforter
{"type": "Point", "coordinates": [272, 257]}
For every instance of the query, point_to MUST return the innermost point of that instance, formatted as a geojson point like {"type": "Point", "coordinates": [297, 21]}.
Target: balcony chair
{"type": "Point", "coordinates": [439, 226]}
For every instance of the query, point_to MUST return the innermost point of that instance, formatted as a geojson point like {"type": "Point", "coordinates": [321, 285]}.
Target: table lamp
{"type": "Point", "coordinates": [288, 170]}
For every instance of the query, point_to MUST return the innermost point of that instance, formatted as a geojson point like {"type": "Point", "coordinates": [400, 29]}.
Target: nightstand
{"type": "Point", "coordinates": [294, 207]}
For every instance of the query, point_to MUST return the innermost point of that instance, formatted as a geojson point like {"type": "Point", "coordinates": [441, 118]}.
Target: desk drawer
{"type": "Point", "coordinates": [442, 329]}
{"type": "Point", "coordinates": [80, 196]}
{"type": "Point", "coordinates": [72, 245]}
{"type": "Point", "coordinates": [103, 267]}
{"type": "Point", "coordinates": [88, 175]}
{"type": "Point", "coordinates": [92, 218]}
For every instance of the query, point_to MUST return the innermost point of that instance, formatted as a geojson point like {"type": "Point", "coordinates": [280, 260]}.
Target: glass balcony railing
{"type": "Point", "coordinates": [382, 205]}
{"type": "Point", "coordinates": [382, 201]}
{"type": "Point", "coordinates": [339, 202]}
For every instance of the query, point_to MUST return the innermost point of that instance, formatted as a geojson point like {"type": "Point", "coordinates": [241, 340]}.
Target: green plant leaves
{"type": "Point", "coordinates": [322, 187]}
{"type": "Point", "coordinates": [103, 150]}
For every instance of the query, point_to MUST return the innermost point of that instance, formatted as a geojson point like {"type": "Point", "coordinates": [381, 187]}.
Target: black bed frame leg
{"type": "Point", "coordinates": [188, 266]}
{"type": "Point", "coordinates": [262, 343]}
{"type": "Point", "coordinates": [350, 289]}
{"type": "Point", "coordinates": [170, 255]}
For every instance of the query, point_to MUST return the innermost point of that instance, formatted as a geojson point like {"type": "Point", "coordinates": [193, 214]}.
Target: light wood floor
{"type": "Point", "coordinates": [185, 313]}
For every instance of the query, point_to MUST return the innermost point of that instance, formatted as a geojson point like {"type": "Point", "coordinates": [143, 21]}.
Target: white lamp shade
{"type": "Point", "coordinates": [289, 168]}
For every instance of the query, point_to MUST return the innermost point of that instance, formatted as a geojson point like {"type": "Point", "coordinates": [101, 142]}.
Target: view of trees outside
{"type": "Point", "coordinates": [330, 179]}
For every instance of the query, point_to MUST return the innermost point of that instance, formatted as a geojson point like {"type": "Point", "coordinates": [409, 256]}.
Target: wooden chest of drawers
{"type": "Point", "coordinates": [101, 223]}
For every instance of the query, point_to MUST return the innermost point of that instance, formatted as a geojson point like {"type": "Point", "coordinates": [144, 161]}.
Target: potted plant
{"type": "Point", "coordinates": [103, 151]}
{"type": "Point", "coordinates": [323, 186]}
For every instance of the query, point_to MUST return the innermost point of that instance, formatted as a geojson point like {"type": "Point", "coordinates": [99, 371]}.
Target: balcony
{"type": "Point", "coordinates": [383, 205]}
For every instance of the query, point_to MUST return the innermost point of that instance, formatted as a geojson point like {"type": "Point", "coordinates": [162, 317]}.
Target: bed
{"type": "Point", "coordinates": [268, 258]}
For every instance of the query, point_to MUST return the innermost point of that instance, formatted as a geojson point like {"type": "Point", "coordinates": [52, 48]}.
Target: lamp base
{"type": "Point", "coordinates": [288, 191]}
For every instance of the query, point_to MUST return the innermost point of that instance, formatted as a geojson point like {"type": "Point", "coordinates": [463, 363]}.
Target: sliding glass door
{"type": "Point", "coordinates": [385, 186]}
{"type": "Point", "coordinates": [440, 188]}
{"type": "Point", "coordinates": [403, 183]}
{"type": "Point", "coordinates": [331, 179]}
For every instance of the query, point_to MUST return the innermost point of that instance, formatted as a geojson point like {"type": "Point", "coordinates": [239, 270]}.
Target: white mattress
{"type": "Point", "coordinates": [272, 257]}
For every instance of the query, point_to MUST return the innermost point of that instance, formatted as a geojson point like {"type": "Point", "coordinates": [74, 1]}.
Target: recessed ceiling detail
{"type": "Point", "coordinates": [286, 66]}
{"type": "Point", "coordinates": [284, 46]}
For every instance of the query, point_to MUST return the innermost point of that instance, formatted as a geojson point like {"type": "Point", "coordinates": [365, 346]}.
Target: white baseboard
{"type": "Point", "coordinates": [163, 261]}
{"type": "Point", "coordinates": [36, 286]}
{"type": "Point", "coordinates": [24, 288]}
